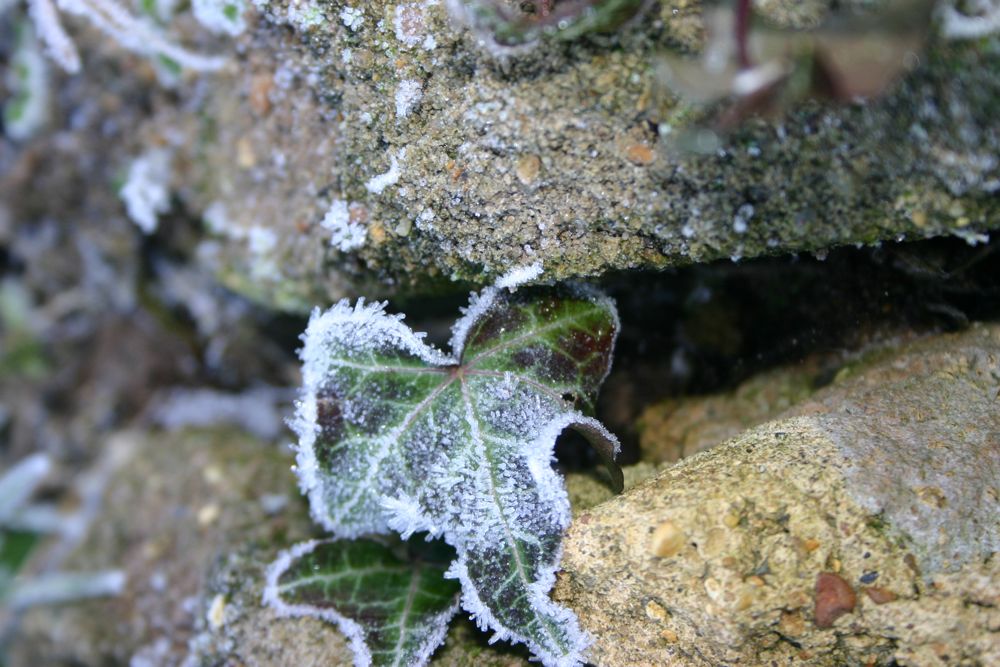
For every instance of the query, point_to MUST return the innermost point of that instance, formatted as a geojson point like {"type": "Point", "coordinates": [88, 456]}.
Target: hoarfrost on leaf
{"type": "Point", "coordinates": [395, 435]}
{"type": "Point", "coordinates": [393, 611]}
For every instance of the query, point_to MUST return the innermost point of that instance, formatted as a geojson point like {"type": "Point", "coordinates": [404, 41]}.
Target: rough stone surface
{"type": "Point", "coordinates": [888, 479]}
{"type": "Point", "coordinates": [680, 427]}
{"type": "Point", "coordinates": [192, 520]}
{"type": "Point", "coordinates": [555, 155]}
{"type": "Point", "coordinates": [470, 202]}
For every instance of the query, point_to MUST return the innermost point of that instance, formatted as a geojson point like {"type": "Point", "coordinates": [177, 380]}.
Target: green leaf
{"type": "Point", "coordinates": [396, 435]}
{"type": "Point", "coordinates": [508, 25]}
{"type": "Point", "coordinates": [394, 611]}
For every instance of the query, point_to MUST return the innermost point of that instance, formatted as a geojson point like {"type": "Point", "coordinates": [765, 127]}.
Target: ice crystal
{"type": "Point", "coordinates": [377, 184]}
{"type": "Point", "coordinates": [353, 18]}
{"type": "Point", "coordinates": [408, 95]}
{"type": "Point", "coordinates": [346, 234]}
{"type": "Point", "coordinates": [146, 192]}
{"type": "Point", "coordinates": [395, 435]}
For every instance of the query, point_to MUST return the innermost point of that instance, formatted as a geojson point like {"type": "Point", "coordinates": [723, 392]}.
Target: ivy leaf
{"type": "Point", "coordinates": [396, 435]}
{"type": "Point", "coordinates": [394, 611]}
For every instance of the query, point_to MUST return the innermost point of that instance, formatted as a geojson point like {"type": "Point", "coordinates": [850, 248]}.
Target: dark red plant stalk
{"type": "Point", "coordinates": [742, 31]}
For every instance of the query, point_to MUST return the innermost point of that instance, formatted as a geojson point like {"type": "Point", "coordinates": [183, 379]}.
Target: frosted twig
{"type": "Point", "coordinates": [65, 587]}
{"type": "Point", "coordinates": [58, 45]}
{"type": "Point", "coordinates": [136, 35]}
{"type": "Point", "coordinates": [18, 483]}
{"type": "Point", "coordinates": [132, 32]}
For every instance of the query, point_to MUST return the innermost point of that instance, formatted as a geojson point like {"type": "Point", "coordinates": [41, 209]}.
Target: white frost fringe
{"type": "Point", "coordinates": [351, 629]}
{"type": "Point", "coordinates": [272, 598]}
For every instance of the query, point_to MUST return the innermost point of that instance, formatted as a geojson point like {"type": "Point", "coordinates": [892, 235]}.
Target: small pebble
{"type": "Point", "coordinates": [834, 598]}
{"type": "Point", "coordinates": [655, 612]}
{"type": "Point", "coordinates": [640, 154]}
{"type": "Point", "coordinates": [208, 514]}
{"type": "Point", "coordinates": [868, 577]}
{"type": "Point", "coordinates": [880, 595]}
{"type": "Point", "coordinates": [667, 540]}
{"type": "Point", "coordinates": [528, 168]}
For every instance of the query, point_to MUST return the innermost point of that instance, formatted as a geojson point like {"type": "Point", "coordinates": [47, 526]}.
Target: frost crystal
{"type": "Point", "coordinates": [408, 95]}
{"type": "Point", "coordinates": [408, 21]}
{"type": "Point", "coordinates": [352, 18]}
{"type": "Point", "coordinates": [377, 184]}
{"type": "Point", "coordinates": [346, 234]}
{"type": "Point", "coordinates": [146, 192]}
{"type": "Point", "coordinates": [395, 435]}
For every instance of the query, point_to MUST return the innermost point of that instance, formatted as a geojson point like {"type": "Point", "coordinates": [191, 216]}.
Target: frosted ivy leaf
{"type": "Point", "coordinates": [395, 611]}
{"type": "Point", "coordinates": [396, 435]}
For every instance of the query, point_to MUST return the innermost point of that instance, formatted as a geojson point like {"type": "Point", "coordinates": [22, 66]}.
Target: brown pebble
{"type": "Point", "coordinates": [811, 544]}
{"type": "Point", "coordinates": [655, 612]}
{"type": "Point", "coordinates": [527, 169]}
{"type": "Point", "coordinates": [880, 595]}
{"type": "Point", "coordinates": [640, 154]}
{"type": "Point", "coordinates": [669, 635]}
{"type": "Point", "coordinates": [834, 598]}
{"type": "Point", "coordinates": [667, 540]}
{"type": "Point", "coordinates": [260, 93]}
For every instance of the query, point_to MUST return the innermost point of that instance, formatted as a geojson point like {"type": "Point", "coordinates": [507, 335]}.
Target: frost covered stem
{"type": "Point", "coordinates": [113, 19]}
